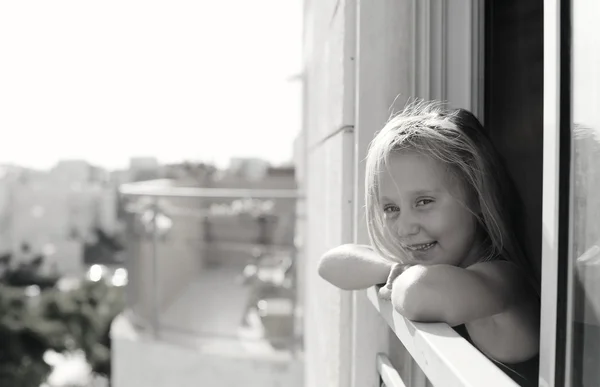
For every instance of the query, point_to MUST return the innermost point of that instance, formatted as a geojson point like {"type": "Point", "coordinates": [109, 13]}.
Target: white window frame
{"type": "Point", "coordinates": [389, 375]}
{"type": "Point", "coordinates": [442, 35]}
{"type": "Point", "coordinates": [550, 213]}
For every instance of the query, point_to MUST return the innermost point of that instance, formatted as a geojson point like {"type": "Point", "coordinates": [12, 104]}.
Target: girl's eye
{"type": "Point", "coordinates": [423, 202]}
{"type": "Point", "coordinates": [390, 209]}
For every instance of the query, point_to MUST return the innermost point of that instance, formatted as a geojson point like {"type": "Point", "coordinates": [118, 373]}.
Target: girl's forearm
{"type": "Point", "coordinates": [354, 267]}
{"type": "Point", "coordinates": [443, 293]}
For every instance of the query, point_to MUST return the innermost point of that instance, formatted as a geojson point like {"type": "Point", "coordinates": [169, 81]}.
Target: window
{"type": "Point", "coordinates": [513, 104]}
{"type": "Point", "coordinates": [584, 255]}
{"type": "Point", "coordinates": [541, 76]}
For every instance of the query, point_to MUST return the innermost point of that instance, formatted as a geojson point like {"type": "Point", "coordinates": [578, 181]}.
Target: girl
{"type": "Point", "coordinates": [438, 211]}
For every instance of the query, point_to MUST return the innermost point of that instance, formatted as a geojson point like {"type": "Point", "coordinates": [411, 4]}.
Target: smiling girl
{"type": "Point", "coordinates": [439, 213]}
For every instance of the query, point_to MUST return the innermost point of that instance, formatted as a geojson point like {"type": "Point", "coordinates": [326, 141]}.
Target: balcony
{"type": "Point", "coordinates": [211, 288]}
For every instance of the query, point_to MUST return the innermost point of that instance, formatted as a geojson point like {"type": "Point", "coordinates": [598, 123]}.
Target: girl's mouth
{"type": "Point", "coordinates": [421, 246]}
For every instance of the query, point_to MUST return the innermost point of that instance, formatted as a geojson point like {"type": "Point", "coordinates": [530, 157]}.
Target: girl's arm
{"type": "Point", "coordinates": [493, 299]}
{"type": "Point", "coordinates": [354, 267]}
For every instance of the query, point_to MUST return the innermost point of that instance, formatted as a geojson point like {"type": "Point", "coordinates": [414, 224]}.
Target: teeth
{"type": "Point", "coordinates": [422, 247]}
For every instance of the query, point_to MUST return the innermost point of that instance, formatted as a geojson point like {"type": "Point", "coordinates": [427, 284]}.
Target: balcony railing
{"type": "Point", "coordinates": [189, 253]}
{"type": "Point", "coordinates": [389, 376]}
{"type": "Point", "coordinates": [445, 358]}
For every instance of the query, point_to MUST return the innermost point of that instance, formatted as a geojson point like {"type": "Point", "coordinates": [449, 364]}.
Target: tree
{"type": "Point", "coordinates": [25, 336]}
{"type": "Point", "coordinates": [55, 320]}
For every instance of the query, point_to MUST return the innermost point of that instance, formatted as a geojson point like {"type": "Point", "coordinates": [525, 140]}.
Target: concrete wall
{"type": "Point", "coordinates": [384, 82]}
{"type": "Point", "coordinates": [358, 70]}
{"type": "Point", "coordinates": [327, 174]}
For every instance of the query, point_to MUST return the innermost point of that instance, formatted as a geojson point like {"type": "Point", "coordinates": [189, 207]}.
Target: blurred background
{"type": "Point", "coordinates": [148, 195]}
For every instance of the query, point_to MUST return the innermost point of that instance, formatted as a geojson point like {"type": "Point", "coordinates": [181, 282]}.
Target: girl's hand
{"type": "Point", "coordinates": [385, 292]}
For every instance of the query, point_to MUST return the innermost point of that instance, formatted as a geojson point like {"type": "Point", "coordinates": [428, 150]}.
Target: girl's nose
{"type": "Point", "coordinates": [406, 226]}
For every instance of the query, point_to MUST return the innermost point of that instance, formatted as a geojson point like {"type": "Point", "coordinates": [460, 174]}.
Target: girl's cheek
{"type": "Point", "coordinates": [432, 220]}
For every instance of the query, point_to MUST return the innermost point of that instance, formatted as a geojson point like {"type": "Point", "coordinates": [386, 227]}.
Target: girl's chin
{"type": "Point", "coordinates": [425, 261]}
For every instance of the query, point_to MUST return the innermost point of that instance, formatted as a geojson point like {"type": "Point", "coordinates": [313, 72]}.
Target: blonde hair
{"type": "Point", "coordinates": [458, 140]}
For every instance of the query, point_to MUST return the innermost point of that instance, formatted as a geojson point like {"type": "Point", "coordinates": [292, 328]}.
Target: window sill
{"type": "Point", "coordinates": [445, 357]}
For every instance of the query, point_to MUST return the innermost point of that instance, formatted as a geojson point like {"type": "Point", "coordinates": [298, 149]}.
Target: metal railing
{"type": "Point", "coordinates": [179, 238]}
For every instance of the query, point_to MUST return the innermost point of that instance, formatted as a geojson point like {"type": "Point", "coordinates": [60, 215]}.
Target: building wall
{"type": "Point", "coordinates": [384, 82]}
{"type": "Point", "coordinates": [328, 120]}
{"type": "Point", "coordinates": [5, 215]}
{"type": "Point", "coordinates": [55, 216]}
{"type": "Point", "coordinates": [68, 171]}
{"type": "Point", "coordinates": [300, 231]}
{"type": "Point", "coordinates": [359, 60]}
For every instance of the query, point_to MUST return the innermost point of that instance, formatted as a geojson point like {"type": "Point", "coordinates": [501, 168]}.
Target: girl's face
{"type": "Point", "coordinates": [426, 208]}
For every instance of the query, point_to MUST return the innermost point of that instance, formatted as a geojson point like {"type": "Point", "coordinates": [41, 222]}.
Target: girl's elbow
{"type": "Point", "coordinates": [331, 272]}
{"type": "Point", "coordinates": [414, 299]}
{"type": "Point", "coordinates": [406, 301]}
{"type": "Point", "coordinates": [352, 267]}
{"type": "Point", "coordinates": [332, 269]}
{"type": "Point", "coordinates": [407, 309]}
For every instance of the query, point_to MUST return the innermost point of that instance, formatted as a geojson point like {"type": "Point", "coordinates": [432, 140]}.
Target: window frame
{"type": "Point", "coordinates": [435, 82]}
{"type": "Point", "coordinates": [556, 250]}
{"type": "Point", "coordinates": [438, 34]}
{"type": "Point", "coordinates": [378, 78]}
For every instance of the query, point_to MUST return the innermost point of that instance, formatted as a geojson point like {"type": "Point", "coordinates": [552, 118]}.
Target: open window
{"type": "Point", "coordinates": [530, 71]}
{"type": "Point", "coordinates": [487, 57]}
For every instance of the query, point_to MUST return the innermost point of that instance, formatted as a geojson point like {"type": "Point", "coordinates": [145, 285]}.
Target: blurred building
{"type": "Point", "coordinates": [190, 173]}
{"type": "Point", "coordinates": [70, 171]}
{"type": "Point", "coordinates": [249, 168]}
{"type": "Point", "coordinates": [255, 173]}
{"type": "Point", "coordinates": [9, 175]}
{"type": "Point", "coordinates": [183, 296]}
{"type": "Point", "coordinates": [143, 168]}
{"type": "Point", "coordinates": [55, 212]}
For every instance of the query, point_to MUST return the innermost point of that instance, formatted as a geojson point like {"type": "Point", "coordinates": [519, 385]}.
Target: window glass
{"type": "Point", "coordinates": [585, 194]}
{"type": "Point", "coordinates": [514, 77]}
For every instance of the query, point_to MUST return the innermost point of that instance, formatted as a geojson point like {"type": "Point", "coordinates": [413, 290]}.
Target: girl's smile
{"type": "Point", "coordinates": [420, 246]}
{"type": "Point", "coordinates": [427, 211]}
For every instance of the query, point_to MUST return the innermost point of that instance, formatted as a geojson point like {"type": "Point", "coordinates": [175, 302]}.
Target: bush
{"type": "Point", "coordinates": [87, 313]}
{"type": "Point", "coordinates": [25, 336]}
{"type": "Point", "coordinates": [58, 321]}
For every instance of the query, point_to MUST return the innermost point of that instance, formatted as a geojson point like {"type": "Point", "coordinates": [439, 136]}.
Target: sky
{"type": "Point", "coordinates": [180, 80]}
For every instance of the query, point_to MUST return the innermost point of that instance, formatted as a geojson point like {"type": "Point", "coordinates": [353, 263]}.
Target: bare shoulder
{"type": "Point", "coordinates": [506, 277]}
{"type": "Point", "coordinates": [505, 269]}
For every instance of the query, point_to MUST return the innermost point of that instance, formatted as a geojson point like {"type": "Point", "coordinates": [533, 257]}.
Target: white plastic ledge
{"type": "Point", "coordinates": [447, 359]}
{"type": "Point", "coordinates": [389, 375]}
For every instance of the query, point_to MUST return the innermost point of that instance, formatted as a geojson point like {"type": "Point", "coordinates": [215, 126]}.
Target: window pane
{"type": "Point", "coordinates": [585, 208]}
{"type": "Point", "coordinates": [514, 105]}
